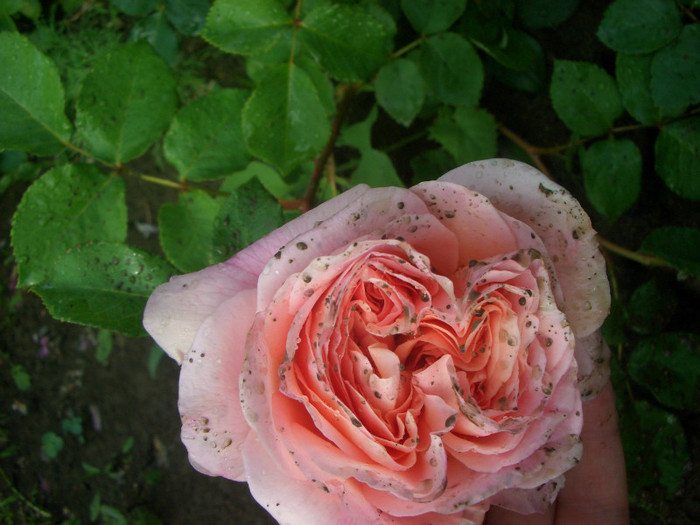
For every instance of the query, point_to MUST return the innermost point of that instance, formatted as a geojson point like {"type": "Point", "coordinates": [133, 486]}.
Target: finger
{"type": "Point", "coordinates": [596, 489]}
{"type": "Point", "coordinates": [501, 516]}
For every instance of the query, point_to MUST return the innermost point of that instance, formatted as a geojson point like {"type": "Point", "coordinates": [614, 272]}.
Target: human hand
{"type": "Point", "coordinates": [596, 489]}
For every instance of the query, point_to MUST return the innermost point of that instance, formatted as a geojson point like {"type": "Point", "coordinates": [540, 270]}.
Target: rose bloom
{"type": "Point", "coordinates": [397, 355]}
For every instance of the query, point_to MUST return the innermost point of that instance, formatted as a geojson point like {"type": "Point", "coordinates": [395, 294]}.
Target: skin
{"type": "Point", "coordinates": [596, 489]}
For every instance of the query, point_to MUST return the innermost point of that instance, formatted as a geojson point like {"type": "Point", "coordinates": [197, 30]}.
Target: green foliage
{"type": "Point", "coordinates": [31, 99]}
{"type": "Point", "coordinates": [585, 97]}
{"type": "Point", "coordinates": [51, 444]}
{"type": "Point", "coordinates": [680, 247]}
{"type": "Point", "coordinates": [675, 71]}
{"type": "Point", "coordinates": [468, 134]}
{"type": "Point", "coordinates": [21, 377]}
{"type": "Point", "coordinates": [429, 16]}
{"type": "Point", "coordinates": [400, 90]}
{"type": "Point", "coordinates": [612, 174]}
{"type": "Point", "coordinates": [678, 157]}
{"type": "Point", "coordinates": [126, 102]}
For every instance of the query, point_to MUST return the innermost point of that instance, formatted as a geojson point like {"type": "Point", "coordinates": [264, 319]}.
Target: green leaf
{"type": "Point", "coordinates": [284, 122]}
{"type": "Point", "coordinates": [104, 285]}
{"type": "Point", "coordinates": [677, 151]}
{"type": "Point", "coordinates": [187, 16]}
{"type": "Point", "coordinates": [430, 165]}
{"type": "Point", "coordinates": [10, 7]}
{"type": "Point", "coordinates": [157, 32]}
{"type": "Point", "coordinates": [68, 205]}
{"type": "Point", "coordinates": [675, 71]}
{"type": "Point", "coordinates": [651, 307]}
{"type": "Point", "coordinates": [585, 97]}
{"type": "Point", "coordinates": [21, 377]}
{"type": "Point", "coordinates": [655, 447]}
{"type": "Point", "coordinates": [399, 89]}
{"type": "Point", "coordinates": [639, 26]}
{"type": "Point", "coordinates": [451, 69]}
{"type": "Point", "coordinates": [105, 344]}
{"type": "Point", "coordinates": [186, 230]}
{"type": "Point", "coordinates": [247, 215]}
{"type": "Point", "coordinates": [348, 42]}
{"type": "Point", "coordinates": [245, 27]}
{"type": "Point", "coordinates": [125, 103]}
{"type": "Point", "coordinates": [376, 169]}
{"type": "Point", "coordinates": [668, 365]}
{"type": "Point", "coordinates": [112, 516]}
{"type": "Point", "coordinates": [469, 134]}
{"type": "Point", "coordinates": [324, 86]}
{"type": "Point", "coordinates": [537, 14]}
{"type": "Point", "coordinates": [266, 175]}
{"type": "Point", "coordinates": [531, 79]}
{"type": "Point", "coordinates": [432, 16]}
{"type": "Point", "coordinates": [612, 174]}
{"type": "Point", "coordinates": [135, 7]}
{"type": "Point", "coordinates": [31, 99]}
{"type": "Point", "coordinates": [680, 247]}
{"type": "Point", "coordinates": [205, 139]}
{"type": "Point", "coordinates": [51, 444]}
{"type": "Point", "coordinates": [633, 74]}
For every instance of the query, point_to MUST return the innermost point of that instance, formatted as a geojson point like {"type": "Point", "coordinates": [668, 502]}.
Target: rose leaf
{"type": "Point", "coordinates": [156, 30]}
{"type": "Point", "coordinates": [31, 99]}
{"type": "Point", "coordinates": [680, 247]}
{"type": "Point", "coordinates": [677, 152]}
{"type": "Point", "coordinates": [104, 285]}
{"type": "Point", "coordinates": [538, 14]}
{"type": "Point", "coordinates": [135, 7]}
{"type": "Point", "coordinates": [247, 215]}
{"type": "Point", "coordinates": [612, 174]}
{"type": "Point", "coordinates": [468, 135]}
{"type": "Point", "coordinates": [584, 96]}
{"type": "Point", "coordinates": [185, 229]}
{"type": "Point", "coordinates": [126, 102]}
{"type": "Point", "coordinates": [400, 91]}
{"type": "Point", "coordinates": [348, 42]}
{"type": "Point", "coordinates": [633, 73]}
{"type": "Point", "coordinates": [246, 27]}
{"type": "Point", "coordinates": [205, 139]}
{"type": "Point", "coordinates": [644, 315]}
{"type": "Point", "coordinates": [187, 17]}
{"type": "Point", "coordinates": [675, 71]}
{"type": "Point", "coordinates": [430, 16]}
{"type": "Point", "coordinates": [68, 205]}
{"type": "Point", "coordinates": [668, 365]}
{"type": "Point", "coordinates": [639, 26]}
{"type": "Point", "coordinates": [267, 175]}
{"type": "Point", "coordinates": [284, 121]}
{"type": "Point", "coordinates": [451, 69]}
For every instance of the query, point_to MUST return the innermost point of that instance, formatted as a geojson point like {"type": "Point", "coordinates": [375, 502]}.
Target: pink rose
{"type": "Point", "coordinates": [397, 355]}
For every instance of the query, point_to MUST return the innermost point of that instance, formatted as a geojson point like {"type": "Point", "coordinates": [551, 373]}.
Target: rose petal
{"type": "Point", "coordinates": [213, 426]}
{"type": "Point", "coordinates": [523, 192]}
{"type": "Point", "coordinates": [291, 501]}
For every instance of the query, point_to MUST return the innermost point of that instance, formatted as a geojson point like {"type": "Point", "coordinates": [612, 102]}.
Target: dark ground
{"type": "Point", "coordinates": [119, 401]}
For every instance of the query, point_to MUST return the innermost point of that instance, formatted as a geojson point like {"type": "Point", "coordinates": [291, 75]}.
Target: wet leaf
{"type": "Point", "coordinates": [187, 16]}
{"type": "Point", "coordinates": [585, 97]}
{"type": "Point", "coordinates": [432, 16]}
{"type": "Point", "coordinates": [468, 134]}
{"type": "Point", "coordinates": [245, 27]}
{"type": "Point", "coordinates": [157, 32]}
{"type": "Point", "coordinates": [185, 229]}
{"type": "Point", "coordinates": [284, 122]}
{"type": "Point", "coordinates": [451, 69]}
{"type": "Point", "coordinates": [675, 71]}
{"type": "Point", "coordinates": [680, 247]}
{"type": "Point", "coordinates": [205, 139]}
{"type": "Point", "coordinates": [677, 152]}
{"type": "Point", "coordinates": [400, 91]}
{"type": "Point", "coordinates": [639, 26]}
{"type": "Point", "coordinates": [347, 41]}
{"type": "Point", "coordinates": [247, 215]}
{"type": "Point", "coordinates": [126, 102]}
{"type": "Point", "coordinates": [612, 174]}
{"type": "Point", "coordinates": [31, 99]}
{"type": "Point", "coordinates": [105, 285]}
{"type": "Point", "coordinates": [68, 205]}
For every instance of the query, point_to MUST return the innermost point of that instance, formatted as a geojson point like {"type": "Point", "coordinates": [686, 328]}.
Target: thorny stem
{"type": "Point", "coordinates": [23, 498]}
{"type": "Point", "coordinates": [306, 203]}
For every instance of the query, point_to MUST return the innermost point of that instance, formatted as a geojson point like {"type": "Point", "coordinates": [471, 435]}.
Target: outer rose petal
{"type": "Point", "coordinates": [177, 308]}
{"type": "Point", "coordinates": [213, 426]}
{"type": "Point", "coordinates": [521, 191]}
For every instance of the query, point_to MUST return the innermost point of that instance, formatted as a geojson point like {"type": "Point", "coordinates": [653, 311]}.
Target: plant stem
{"type": "Point", "coordinates": [646, 260]}
{"type": "Point", "coordinates": [532, 151]}
{"type": "Point", "coordinates": [181, 186]}
{"type": "Point", "coordinates": [408, 47]}
{"type": "Point", "coordinates": [348, 93]}
{"type": "Point", "coordinates": [23, 498]}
